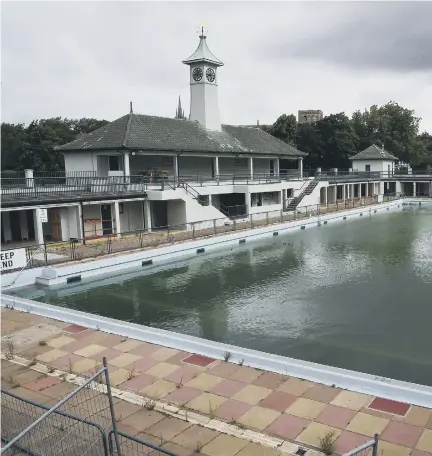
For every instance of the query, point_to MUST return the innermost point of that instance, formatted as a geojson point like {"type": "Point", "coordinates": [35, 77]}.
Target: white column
{"type": "Point", "coordinates": [7, 232]}
{"type": "Point", "coordinates": [38, 227]}
{"type": "Point", "coordinates": [216, 167]}
{"type": "Point", "coordinates": [147, 215]}
{"type": "Point", "coordinates": [414, 189]}
{"type": "Point", "coordinates": [175, 168]}
{"type": "Point", "coordinates": [78, 215]}
{"type": "Point", "coordinates": [23, 223]}
{"type": "Point", "coordinates": [276, 166]}
{"type": "Point", "coordinates": [352, 191]}
{"type": "Point", "coordinates": [343, 192]}
{"type": "Point", "coordinates": [117, 218]}
{"type": "Point", "coordinates": [325, 195]}
{"type": "Point", "coordinates": [29, 177]}
{"type": "Point", "coordinates": [301, 167]}
{"type": "Point", "coordinates": [367, 190]}
{"type": "Point", "coordinates": [126, 164]}
{"type": "Point", "coordinates": [250, 168]}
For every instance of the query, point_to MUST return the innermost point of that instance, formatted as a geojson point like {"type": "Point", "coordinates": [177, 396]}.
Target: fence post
{"type": "Point", "coordinates": [45, 254]}
{"type": "Point", "coordinates": [111, 405]}
{"type": "Point", "coordinates": [214, 226]}
{"type": "Point", "coordinates": [375, 447]}
{"type": "Point", "coordinates": [267, 218]}
{"type": "Point", "coordinates": [251, 220]}
{"type": "Point", "coordinates": [193, 230]}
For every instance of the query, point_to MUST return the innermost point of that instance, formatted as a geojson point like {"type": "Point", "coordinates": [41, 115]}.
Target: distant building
{"type": "Point", "coordinates": [310, 116]}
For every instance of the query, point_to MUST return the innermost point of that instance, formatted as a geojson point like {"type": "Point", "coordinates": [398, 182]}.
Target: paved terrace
{"type": "Point", "coordinates": [278, 409]}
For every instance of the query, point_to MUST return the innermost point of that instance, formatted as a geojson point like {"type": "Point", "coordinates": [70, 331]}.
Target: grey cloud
{"type": "Point", "coordinates": [387, 36]}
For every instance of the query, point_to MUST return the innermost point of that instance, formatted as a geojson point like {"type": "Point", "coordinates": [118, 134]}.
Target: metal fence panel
{"type": "Point", "coordinates": [77, 425]}
{"type": "Point", "coordinates": [132, 446]}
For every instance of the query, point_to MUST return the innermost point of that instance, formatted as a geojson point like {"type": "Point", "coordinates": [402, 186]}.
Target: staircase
{"type": "Point", "coordinates": [227, 211]}
{"type": "Point", "coordinates": [307, 191]}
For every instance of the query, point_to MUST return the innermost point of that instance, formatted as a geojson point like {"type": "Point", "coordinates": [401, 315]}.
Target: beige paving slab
{"type": "Point", "coordinates": [224, 445]}
{"type": "Point", "coordinates": [418, 416]}
{"type": "Point", "coordinates": [315, 432]}
{"type": "Point", "coordinates": [128, 345]}
{"type": "Point", "coordinates": [162, 370]}
{"type": "Point", "coordinates": [366, 424]}
{"type": "Point", "coordinates": [90, 350]}
{"type": "Point", "coordinates": [206, 403]}
{"type": "Point", "coordinates": [58, 342]}
{"type": "Point", "coordinates": [159, 389]}
{"type": "Point", "coordinates": [168, 428]}
{"type": "Point", "coordinates": [253, 449]}
{"type": "Point", "coordinates": [204, 382]}
{"type": "Point", "coordinates": [84, 365]}
{"type": "Point", "coordinates": [295, 386]}
{"type": "Point", "coordinates": [306, 408]}
{"type": "Point", "coordinates": [258, 417]}
{"type": "Point", "coordinates": [142, 419]}
{"type": "Point", "coordinates": [252, 394]}
{"type": "Point", "coordinates": [51, 355]}
{"type": "Point", "coordinates": [119, 376]}
{"type": "Point", "coordinates": [124, 360]}
{"type": "Point", "coordinates": [425, 441]}
{"type": "Point", "coordinates": [164, 353]}
{"type": "Point", "coordinates": [390, 449]}
{"type": "Point", "coordinates": [245, 374]}
{"type": "Point", "coordinates": [351, 400]}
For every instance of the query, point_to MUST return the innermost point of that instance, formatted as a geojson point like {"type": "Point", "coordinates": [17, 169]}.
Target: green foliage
{"type": "Point", "coordinates": [331, 141]}
{"type": "Point", "coordinates": [32, 146]}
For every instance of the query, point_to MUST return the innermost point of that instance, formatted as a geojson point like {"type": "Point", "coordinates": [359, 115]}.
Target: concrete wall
{"type": "Point", "coordinates": [92, 212]}
{"type": "Point", "coordinates": [375, 165]}
{"type": "Point", "coordinates": [132, 217]}
{"type": "Point", "coordinates": [80, 161]}
{"type": "Point", "coordinates": [176, 213]}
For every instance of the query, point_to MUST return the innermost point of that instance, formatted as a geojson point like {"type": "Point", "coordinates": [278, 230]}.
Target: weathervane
{"type": "Point", "coordinates": [203, 31]}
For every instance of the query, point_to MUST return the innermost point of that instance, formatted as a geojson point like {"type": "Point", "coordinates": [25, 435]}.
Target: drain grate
{"type": "Point", "coordinates": [201, 250]}
{"type": "Point", "coordinates": [301, 452]}
{"type": "Point", "coordinates": [147, 263]}
{"type": "Point", "coordinates": [72, 279]}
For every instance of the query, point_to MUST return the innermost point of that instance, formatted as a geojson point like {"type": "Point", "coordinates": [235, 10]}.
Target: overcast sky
{"type": "Point", "coordinates": [89, 59]}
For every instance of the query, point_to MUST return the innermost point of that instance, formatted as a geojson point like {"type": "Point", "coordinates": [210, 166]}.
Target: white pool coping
{"type": "Point", "coordinates": [354, 381]}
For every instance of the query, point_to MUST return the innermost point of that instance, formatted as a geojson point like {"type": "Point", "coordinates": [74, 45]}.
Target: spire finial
{"type": "Point", "coordinates": [203, 23]}
{"type": "Point", "coordinates": [131, 110]}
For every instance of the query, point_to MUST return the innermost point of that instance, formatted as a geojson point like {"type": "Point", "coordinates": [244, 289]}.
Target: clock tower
{"type": "Point", "coordinates": [204, 106]}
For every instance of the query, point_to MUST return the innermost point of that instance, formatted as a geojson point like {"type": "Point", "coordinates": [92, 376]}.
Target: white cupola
{"type": "Point", "coordinates": [204, 105]}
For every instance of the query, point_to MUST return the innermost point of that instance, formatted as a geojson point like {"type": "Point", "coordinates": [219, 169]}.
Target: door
{"type": "Point", "coordinates": [106, 219]}
{"type": "Point", "coordinates": [56, 224]}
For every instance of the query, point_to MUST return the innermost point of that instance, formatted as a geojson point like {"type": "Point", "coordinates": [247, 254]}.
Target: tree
{"type": "Point", "coordinates": [394, 127]}
{"type": "Point", "coordinates": [285, 129]}
{"type": "Point", "coordinates": [32, 147]}
{"type": "Point", "coordinates": [330, 142]}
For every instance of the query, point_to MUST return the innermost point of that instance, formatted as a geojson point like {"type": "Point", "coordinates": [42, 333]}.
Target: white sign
{"type": "Point", "coordinates": [43, 215]}
{"type": "Point", "coordinates": [13, 259]}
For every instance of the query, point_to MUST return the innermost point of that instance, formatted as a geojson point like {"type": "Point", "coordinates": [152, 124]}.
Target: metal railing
{"type": "Point", "coordinates": [38, 430]}
{"type": "Point", "coordinates": [369, 447]}
{"type": "Point", "coordinates": [132, 446]}
{"type": "Point", "coordinates": [51, 253]}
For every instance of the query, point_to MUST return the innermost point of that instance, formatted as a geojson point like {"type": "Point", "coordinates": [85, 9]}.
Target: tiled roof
{"type": "Point", "coordinates": [150, 133]}
{"type": "Point", "coordinates": [373, 152]}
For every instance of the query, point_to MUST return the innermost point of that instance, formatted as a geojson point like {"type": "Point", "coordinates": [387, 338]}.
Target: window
{"type": "Point", "coordinates": [367, 168]}
{"type": "Point", "coordinates": [240, 161]}
{"type": "Point", "coordinates": [115, 163]}
{"type": "Point", "coordinates": [167, 161]}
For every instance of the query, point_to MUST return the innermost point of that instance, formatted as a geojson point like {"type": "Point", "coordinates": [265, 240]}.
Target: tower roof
{"type": "Point", "coordinates": [203, 53]}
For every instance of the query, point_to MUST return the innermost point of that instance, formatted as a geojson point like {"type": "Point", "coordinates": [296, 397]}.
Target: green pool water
{"type": "Point", "coordinates": [355, 294]}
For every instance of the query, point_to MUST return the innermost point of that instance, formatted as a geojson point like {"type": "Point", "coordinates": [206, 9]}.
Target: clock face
{"type": "Point", "coordinates": [210, 75]}
{"type": "Point", "coordinates": [197, 74]}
